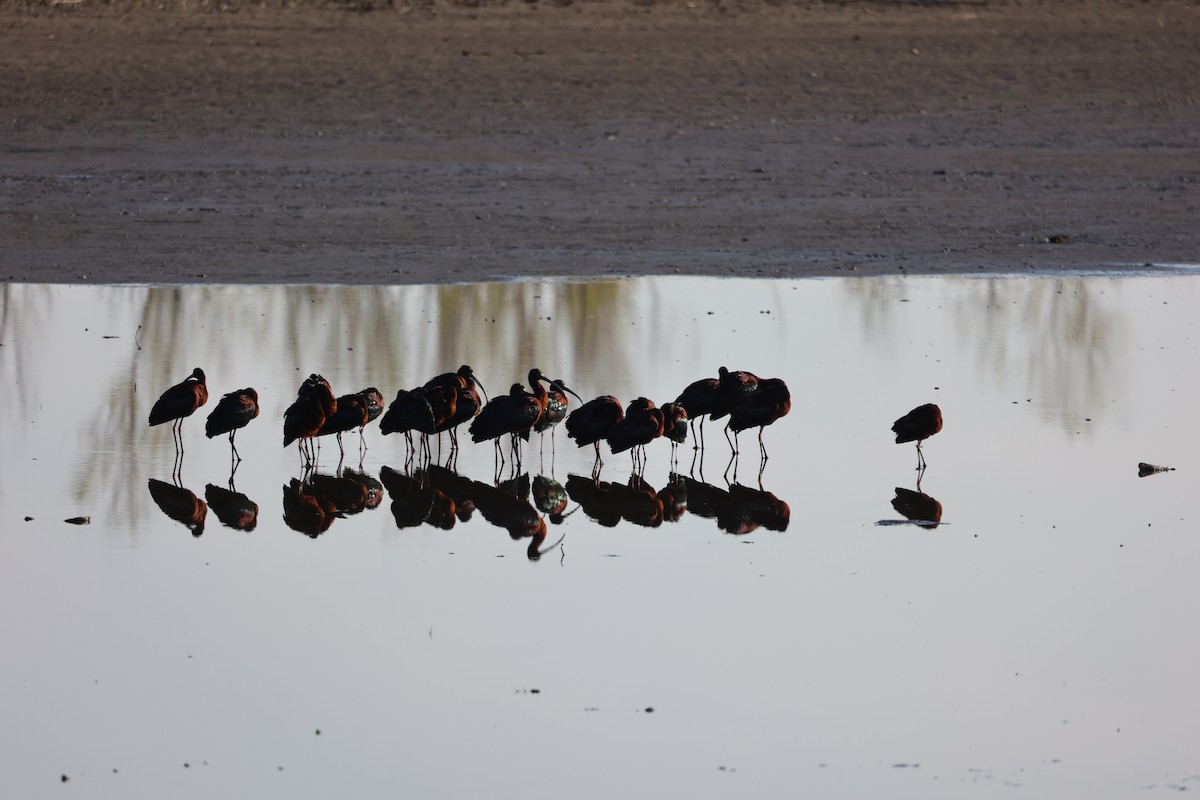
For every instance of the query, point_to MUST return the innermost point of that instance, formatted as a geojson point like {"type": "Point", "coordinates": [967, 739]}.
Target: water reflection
{"type": "Point", "coordinates": [917, 507]}
{"type": "Point", "coordinates": [738, 509]}
{"type": "Point", "coordinates": [234, 509]}
{"type": "Point", "coordinates": [304, 510]}
{"type": "Point", "coordinates": [179, 504]}
{"type": "Point", "coordinates": [1057, 332]}
{"type": "Point", "coordinates": [1049, 340]}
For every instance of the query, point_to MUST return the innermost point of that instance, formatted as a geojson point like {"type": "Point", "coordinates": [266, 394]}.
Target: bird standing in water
{"type": "Point", "coordinates": [917, 426]}
{"type": "Point", "coordinates": [770, 401]}
{"type": "Point", "coordinates": [592, 422]}
{"type": "Point", "coordinates": [233, 412]}
{"type": "Point", "coordinates": [697, 400]}
{"type": "Point", "coordinates": [180, 401]}
{"type": "Point", "coordinates": [643, 423]}
{"type": "Point", "coordinates": [315, 403]}
{"type": "Point", "coordinates": [514, 413]}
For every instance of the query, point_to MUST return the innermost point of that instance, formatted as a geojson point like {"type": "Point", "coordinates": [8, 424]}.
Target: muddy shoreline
{"type": "Point", "coordinates": [440, 143]}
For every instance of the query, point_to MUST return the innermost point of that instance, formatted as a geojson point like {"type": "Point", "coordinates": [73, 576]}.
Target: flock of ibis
{"type": "Point", "coordinates": [447, 401]}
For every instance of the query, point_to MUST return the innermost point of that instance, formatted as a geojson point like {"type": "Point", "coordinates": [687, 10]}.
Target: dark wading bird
{"type": "Point", "coordinates": [410, 411]}
{"type": "Point", "coordinates": [353, 411]}
{"type": "Point", "coordinates": [556, 409]}
{"type": "Point", "coordinates": [917, 426]}
{"type": "Point", "coordinates": [697, 400]}
{"type": "Point", "coordinates": [233, 411]}
{"type": "Point", "coordinates": [515, 414]}
{"type": "Point", "coordinates": [643, 423]}
{"type": "Point", "coordinates": [770, 401]}
{"type": "Point", "coordinates": [180, 401]}
{"type": "Point", "coordinates": [592, 422]}
{"type": "Point", "coordinates": [675, 426]}
{"type": "Point", "coordinates": [733, 389]}
{"type": "Point", "coordinates": [303, 419]}
{"type": "Point", "coordinates": [455, 400]}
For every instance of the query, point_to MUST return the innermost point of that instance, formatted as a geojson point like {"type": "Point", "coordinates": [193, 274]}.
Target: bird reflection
{"type": "Point", "coordinates": [738, 509]}
{"type": "Point", "coordinates": [304, 510]}
{"type": "Point", "coordinates": [234, 509]}
{"type": "Point", "coordinates": [674, 498]}
{"type": "Point", "coordinates": [179, 504]}
{"type": "Point", "coordinates": [550, 497]}
{"type": "Point", "coordinates": [609, 502]}
{"type": "Point", "coordinates": [454, 486]}
{"type": "Point", "coordinates": [372, 487]}
{"type": "Point", "coordinates": [345, 496]}
{"type": "Point", "coordinates": [412, 497]}
{"type": "Point", "coordinates": [916, 507]}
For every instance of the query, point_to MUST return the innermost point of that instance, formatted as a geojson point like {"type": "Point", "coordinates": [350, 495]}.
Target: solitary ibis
{"type": "Point", "coordinates": [180, 401]}
{"type": "Point", "coordinates": [917, 426]}
{"type": "Point", "coordinates": [233, 411]}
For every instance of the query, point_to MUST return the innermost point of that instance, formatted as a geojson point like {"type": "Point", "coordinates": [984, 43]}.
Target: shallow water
{"type": "Point", "coordinates": [1039, 637]}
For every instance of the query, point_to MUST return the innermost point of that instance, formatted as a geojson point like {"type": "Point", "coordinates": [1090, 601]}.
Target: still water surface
{"type": "Point", "coordinates": [1042, 636]}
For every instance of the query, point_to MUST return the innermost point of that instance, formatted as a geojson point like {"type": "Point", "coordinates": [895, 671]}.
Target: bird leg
{"type": "Point", "coordinates": [920, 457]}
{"type": "Point", "coordinates": [236, 454]}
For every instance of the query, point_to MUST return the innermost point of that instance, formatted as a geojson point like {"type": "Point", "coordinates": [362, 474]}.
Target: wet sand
{"type": "Point", "coordinates": [450, 143]}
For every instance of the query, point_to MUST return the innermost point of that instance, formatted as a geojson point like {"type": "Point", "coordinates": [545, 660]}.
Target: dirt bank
{"type": "Point", "coordinates": [445, 143]}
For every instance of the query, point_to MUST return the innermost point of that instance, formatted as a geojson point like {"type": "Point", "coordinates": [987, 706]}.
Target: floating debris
{"type": "Point", "coordinates": [1145, 469]}
{"type": "Point", "coordinates": [79, 520]}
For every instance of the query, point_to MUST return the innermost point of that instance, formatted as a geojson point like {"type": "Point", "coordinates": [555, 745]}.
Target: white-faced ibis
{"type": "Point", "coordinates": [643, 423]}
{"type": "Point", "coordinates": [556, 406]}
{"type": "Point", "coordinates": [592, 422]}
{"type": "Point", "coordinates": [352, 412]}
{"type": "Point", "coordinates": [697, 400]}
{"type": "Point", "coordinates": [917, 426]}
{"type": "Point", "coordinates": [770, 401]}
{"type": "Point", "coordinates": [466, 401]}
{"type": "Point", "coordinates": [375, 403]}
{"type": "Point", "coordinates": [734, 387]}
{"type": "Point", "coordinates": [675, 425]}
{"type": "Point", "coordinates": [464, 378]}
{"type": "Point", "coordinates": [233, 411]}
{"type": "Point", "coordinates": [514, 413]}
{"type": "Point", "coordinates": [303, 419]}
{"type": "Point", "coordinates": [410, 411]}
{"type": "Point", "coordinates": [180, 401]}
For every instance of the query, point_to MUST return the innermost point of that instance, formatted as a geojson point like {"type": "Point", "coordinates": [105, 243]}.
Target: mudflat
{"type": "Point", "coordinates": [317, 142]}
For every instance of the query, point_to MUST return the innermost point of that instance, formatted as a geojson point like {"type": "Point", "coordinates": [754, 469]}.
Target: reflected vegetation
{"type": "Point", "coordinates": [1058, 332]}
{"type": "Point", "coordinates": [1057, 335]}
